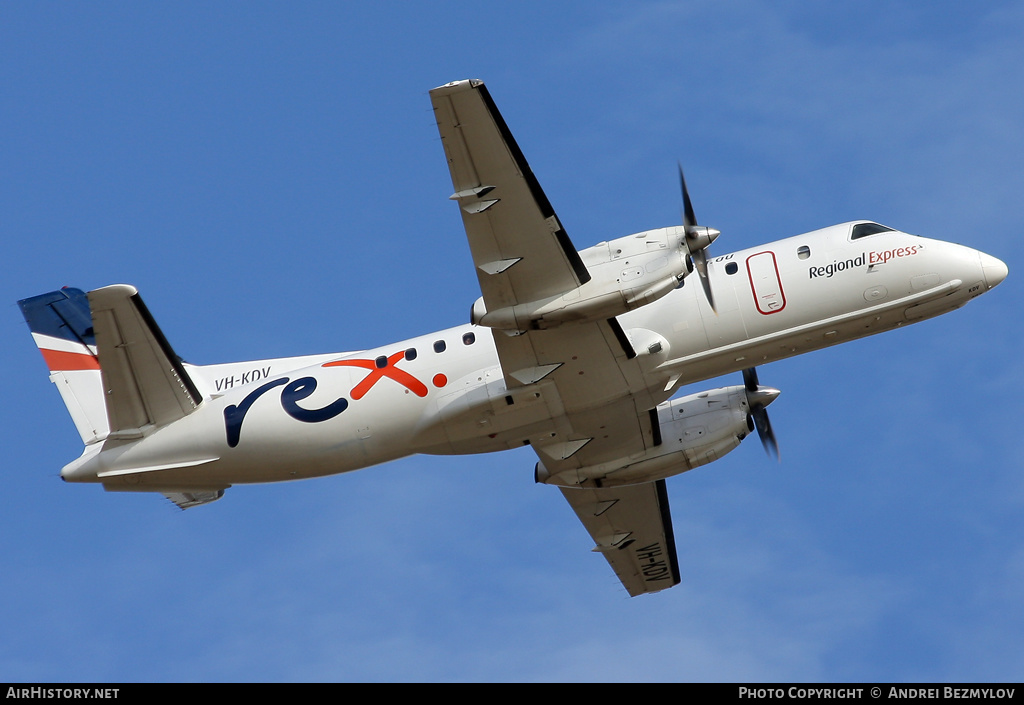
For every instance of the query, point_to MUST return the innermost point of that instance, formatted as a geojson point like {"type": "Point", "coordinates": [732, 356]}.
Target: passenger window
{"type": "Point", "coordinates": [410, 354]}
{"type": "Point", "coordinates": [381, 362]}
{"type": "Point", "coordinates": [731, 268]}
{"type": "Point", "coordinates": [468, 338]}
{"type": "Point", "coordinates": [803, 252]}
{"type": "Point", "coordinates": [439, 346]}
{"type": "Point", "coordinates": [864, 229]}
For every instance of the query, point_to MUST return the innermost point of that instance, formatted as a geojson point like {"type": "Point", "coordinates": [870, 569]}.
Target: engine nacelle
{"type": "Point", "coordinates": [624, 274]}
{"type": "Point", "coordinates": [695, 430]}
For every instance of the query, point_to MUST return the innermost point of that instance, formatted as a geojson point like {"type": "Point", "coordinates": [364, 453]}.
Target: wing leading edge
{"type": "Point", "coordinates": [587, 370]}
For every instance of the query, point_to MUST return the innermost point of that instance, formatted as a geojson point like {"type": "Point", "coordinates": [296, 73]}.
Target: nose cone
{"type": "Point", "coordinates": [995, 270]}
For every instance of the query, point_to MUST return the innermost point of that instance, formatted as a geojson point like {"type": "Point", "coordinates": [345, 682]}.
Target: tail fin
{"type": "Point", "coordinates": [62, 327]}
{"type": "Point", "coordinates": [116, 372]}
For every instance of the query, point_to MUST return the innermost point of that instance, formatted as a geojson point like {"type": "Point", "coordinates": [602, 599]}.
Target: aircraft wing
{"type": "Point", "coordinates": [586, 372]}
{"type": "Point", "coordinates": [523, 254]}
{"type": "Point", "coordinates": [520, 249]}
{"type": "Point", "coordinates": [632, 527]}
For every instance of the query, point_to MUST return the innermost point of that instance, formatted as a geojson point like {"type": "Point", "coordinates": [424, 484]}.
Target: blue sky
{"type": "Point", "coordinates": [269, 176]}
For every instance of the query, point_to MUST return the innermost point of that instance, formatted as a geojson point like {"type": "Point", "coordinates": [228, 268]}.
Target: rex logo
{"type": "Point", "coordinates": [299, 389]}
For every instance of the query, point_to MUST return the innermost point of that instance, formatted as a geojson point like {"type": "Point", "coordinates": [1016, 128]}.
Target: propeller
{"type": "Point", "coordinates": [758, 398]}
{"type": "Point", "coordinates": [698, 237]}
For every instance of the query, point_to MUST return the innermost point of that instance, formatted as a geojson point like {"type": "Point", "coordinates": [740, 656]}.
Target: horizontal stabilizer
{"type": "Point", "coordinates": [145, 384]}
{"type": "Point", "coordinates": [185, 500]}
{"type": "Point", "coordinates": [185, 497]}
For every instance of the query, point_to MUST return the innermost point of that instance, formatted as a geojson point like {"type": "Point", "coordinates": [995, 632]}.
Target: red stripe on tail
{"type": "Point", "coordinates": [61, 361]}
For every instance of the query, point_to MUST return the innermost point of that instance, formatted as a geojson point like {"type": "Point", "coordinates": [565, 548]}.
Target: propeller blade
{"type": "Point", "coordinates": [689, 219]}
{"type": "Point", "coordinates": [766, 434]}
{"type": "Point", "coordinates": [750, 379]}
{"type": "Point", "coordinates": [697, 240]}
{"type": "Point", "coordinates": [758, 398]}
{"type": "Point", "coordinates": [700, 260]}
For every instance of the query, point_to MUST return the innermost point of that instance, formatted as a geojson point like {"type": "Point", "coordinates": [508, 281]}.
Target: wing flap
{"type": "Point", "coordinates": [632, 527]}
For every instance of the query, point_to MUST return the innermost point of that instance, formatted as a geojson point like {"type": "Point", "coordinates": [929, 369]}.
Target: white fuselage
{"type": "Point", "coordinates": [284, 419]}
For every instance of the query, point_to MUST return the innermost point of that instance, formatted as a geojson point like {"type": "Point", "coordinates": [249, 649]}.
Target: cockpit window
{"type": "Point", "coordinates": [864, 229]}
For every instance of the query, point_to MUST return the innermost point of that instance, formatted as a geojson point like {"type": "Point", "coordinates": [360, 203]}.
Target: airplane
{"type": "Point", "coordinates": [577, 354]}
